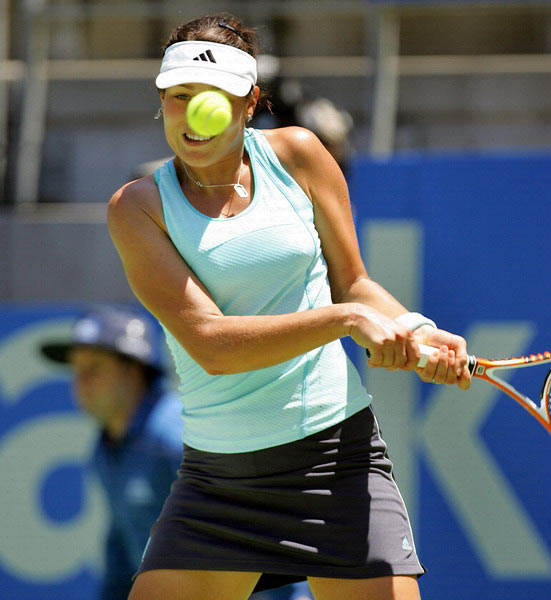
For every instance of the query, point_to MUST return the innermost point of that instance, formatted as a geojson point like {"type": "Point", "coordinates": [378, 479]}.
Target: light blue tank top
{"type": "Point", "coordinates": [266, 260]}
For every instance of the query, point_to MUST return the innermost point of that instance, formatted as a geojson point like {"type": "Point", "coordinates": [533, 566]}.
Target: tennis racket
{"type": "Point", "coordinates": [489, 370]}
{"type": "Point", "coordinates": [484, 368]}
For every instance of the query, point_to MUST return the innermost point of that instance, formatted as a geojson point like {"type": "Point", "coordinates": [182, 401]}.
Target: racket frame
{"type": "Point", "coordinates": [486, 369]}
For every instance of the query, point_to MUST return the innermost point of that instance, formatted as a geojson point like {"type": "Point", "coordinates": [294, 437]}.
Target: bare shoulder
{"type": "Point", "coordinates": [135, 195]}
{"type": "Point", "coordinates": [305, 157]}
{"type": "Point", "coordinates": [294, 146]}
{"type": "Point", "coordinates": [135, 200]}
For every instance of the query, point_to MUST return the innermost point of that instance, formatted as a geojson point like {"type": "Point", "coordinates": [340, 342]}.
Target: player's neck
{"type": "Point", "coordinates": [201, 178]}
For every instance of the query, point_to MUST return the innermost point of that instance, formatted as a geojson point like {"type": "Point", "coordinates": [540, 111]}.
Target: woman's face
{"type": "Point", "coordinates": [179, 135]}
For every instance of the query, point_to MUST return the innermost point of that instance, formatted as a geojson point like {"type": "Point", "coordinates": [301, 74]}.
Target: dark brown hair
{"type": "Point", "coordinates": [221, 28]}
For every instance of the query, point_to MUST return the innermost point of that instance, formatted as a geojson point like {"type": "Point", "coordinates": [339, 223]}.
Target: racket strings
{"type": "Point", "coordinates": [545, 391]}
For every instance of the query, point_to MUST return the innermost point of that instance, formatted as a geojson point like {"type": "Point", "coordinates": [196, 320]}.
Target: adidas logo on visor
{"type": "Point", "coordinates": [209, 63]}
{"type": "Point", "coordinates": [206, 57]}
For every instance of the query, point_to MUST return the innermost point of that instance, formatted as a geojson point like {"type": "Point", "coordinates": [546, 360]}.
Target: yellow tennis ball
{"type": "Point", "coordinates": [209, 113]}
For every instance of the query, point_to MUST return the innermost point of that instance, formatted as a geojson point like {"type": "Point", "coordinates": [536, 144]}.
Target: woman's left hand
{"type": "Point", "coordinates": [449, 364]}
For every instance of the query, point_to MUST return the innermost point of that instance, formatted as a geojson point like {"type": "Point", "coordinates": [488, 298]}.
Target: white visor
{"type": "Point", "coordinates": [219, 65]}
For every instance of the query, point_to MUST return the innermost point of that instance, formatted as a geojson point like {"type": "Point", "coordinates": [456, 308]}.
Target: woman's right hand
{"type": "Point", "coordinates": [390, 344]}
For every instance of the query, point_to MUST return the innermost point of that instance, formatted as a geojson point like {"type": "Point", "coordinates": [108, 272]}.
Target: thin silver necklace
{"type": "Point", "coordinates": [238, 187]}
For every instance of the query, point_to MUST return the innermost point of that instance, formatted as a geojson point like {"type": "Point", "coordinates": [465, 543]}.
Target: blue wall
{"type": "Point", "coordinates": [481, 477]}
{"type": "Point", "coordinates": [478, 478]}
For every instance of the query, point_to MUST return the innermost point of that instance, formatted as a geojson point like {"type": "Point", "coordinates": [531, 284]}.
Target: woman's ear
{"type": "Point", "coordinates": [253, 100]}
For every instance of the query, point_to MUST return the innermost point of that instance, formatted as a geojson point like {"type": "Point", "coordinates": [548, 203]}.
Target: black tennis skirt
{"type": "Point", "coordinates": [325, 506]}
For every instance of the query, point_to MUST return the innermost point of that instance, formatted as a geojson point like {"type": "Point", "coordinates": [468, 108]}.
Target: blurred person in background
{"type": "Point", "coordinates": [119, 381]}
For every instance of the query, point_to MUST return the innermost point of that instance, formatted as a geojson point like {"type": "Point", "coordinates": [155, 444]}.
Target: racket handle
{"type": "Point", "coordinates": [426, 353]}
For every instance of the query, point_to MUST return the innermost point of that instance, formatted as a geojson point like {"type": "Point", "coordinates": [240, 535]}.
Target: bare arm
{"type": "Point", "coordinates": [166, 285]}
{"type": "Point", "coordinates": [323, 181]}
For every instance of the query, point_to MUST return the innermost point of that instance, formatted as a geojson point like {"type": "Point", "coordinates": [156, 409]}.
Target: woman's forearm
{"type": "Point", "coordinates": [233, 344]}
{"type": "Point", "coordinates": [370, 293]}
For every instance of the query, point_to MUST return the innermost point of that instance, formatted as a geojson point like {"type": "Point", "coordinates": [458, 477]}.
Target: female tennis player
{"type": "Point", "coordinates": [244, 248]}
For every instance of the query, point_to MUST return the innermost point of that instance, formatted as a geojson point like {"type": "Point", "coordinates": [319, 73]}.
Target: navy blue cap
{"type": "Point", "coordinates": [116, 330]}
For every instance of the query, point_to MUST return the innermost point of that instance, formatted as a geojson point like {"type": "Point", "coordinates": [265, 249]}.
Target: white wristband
{"type": "Point", "coordinates": [413, 320]}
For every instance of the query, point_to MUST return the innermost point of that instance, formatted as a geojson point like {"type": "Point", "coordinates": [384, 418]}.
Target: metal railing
{"type": "Point", "coordinates": [387, 67]}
